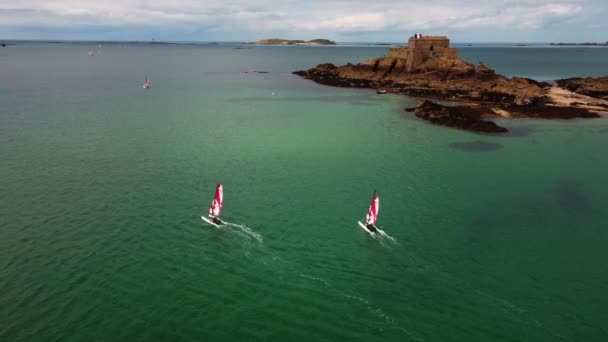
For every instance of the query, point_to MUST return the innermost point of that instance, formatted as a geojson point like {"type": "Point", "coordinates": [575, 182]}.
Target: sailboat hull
{"type": "Point", "coordinates": [208, 221]}
{"type": "Point", "coordinates": [364, 227]}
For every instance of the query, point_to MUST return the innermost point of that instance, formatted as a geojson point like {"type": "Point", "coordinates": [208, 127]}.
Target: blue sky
{"type": "Point", "coordinates": [340, 20]}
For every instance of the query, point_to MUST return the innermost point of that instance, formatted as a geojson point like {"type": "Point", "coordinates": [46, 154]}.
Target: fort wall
{"type": "Point", "coordinates": [420, 49]}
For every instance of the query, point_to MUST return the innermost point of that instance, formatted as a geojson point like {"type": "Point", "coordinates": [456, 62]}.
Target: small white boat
{"type": "Point", "coordinates": [381, 91]}
{"type": "Point", "coordinates": [146, 84]}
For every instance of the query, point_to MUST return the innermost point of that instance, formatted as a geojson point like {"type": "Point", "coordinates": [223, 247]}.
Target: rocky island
{"type": "Point", "coordinates": [429, 68]}
{"type": "Point", "coordinates": [280, 41]}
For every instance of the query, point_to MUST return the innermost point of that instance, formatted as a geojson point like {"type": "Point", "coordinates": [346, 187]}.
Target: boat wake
{"type": "Point", "coordinates": [245, 230]}
{"type": "Point", "coordinates": [379, 235]}
{"type": "Point", "coordinates": [384, 235]}
{"type": "Point", "coordinates": [381, 319]}
{"type": "Point", "coordinates": [240, 229]}
{"type": "Point", "coordinates": [321, 280]}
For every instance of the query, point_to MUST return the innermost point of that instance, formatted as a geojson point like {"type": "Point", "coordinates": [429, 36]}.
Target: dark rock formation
{"type": "Point", "coordinates": [326, 74]}
{"type": "Point", "coordinates": [486, 93]}
{"type": "Point", "coordinates": [435, 78]}
{"type": "Point", "coordinates": [594, 87]}
{"type": "Point", "coordinates": [541, 111]}
{"type": "Point", "coordinates": [463, 117]}
{"type": "Point", "coordinates": [471, 117]}
{"type": "Point", "coordinates": [598, 104]}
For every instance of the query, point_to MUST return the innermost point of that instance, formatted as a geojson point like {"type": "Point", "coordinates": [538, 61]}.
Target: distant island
{"type": "Point", "coordinates": [280, 41]}
{"type": "Point", "coordinates": [580, 44]}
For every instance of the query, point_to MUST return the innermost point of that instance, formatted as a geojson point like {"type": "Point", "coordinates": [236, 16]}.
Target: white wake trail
{"type": "Point", "coordinates": [385, 235]}
{"type": "Point", "coordinates": [321, 280]}
{"type": "Point", "coordinates": [247, 230]}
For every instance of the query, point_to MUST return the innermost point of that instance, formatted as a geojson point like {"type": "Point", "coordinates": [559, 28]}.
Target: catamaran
{"type": "Point", "coordinates": [146, 84]}
{"type": "Point", "coordinates": [372, 215]}
{"type": "Point", "coordinates": [215, 209]}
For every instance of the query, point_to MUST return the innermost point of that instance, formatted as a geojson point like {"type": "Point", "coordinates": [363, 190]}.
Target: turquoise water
{"type": "Point", "coordinates": [103, 185]}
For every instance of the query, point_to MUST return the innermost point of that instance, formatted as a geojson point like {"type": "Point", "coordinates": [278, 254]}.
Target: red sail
{"type": "Point", "coordinates": [216, 205]}
{"type": "Point", "coordinates": [372, 213]}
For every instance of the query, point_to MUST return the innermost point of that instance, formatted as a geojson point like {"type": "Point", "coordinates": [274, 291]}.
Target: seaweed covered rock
{"type": "Point", "coordinates": [463, 117]}
{"type": "Point", "coordinates": [594, 87]}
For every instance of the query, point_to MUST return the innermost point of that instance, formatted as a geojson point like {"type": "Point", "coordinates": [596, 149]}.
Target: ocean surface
{"type": "Point", "coordinates": [493, 238]}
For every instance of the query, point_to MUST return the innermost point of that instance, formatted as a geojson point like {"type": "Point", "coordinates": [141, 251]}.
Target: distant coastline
{"type": "Point", "coordinates": [281, 41]}
{"type": "Point", "coordinates": [580, 44]}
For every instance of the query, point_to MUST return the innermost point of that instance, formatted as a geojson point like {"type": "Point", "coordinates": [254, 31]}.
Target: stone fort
{"type": "Point", "coordinates": [420, 49]}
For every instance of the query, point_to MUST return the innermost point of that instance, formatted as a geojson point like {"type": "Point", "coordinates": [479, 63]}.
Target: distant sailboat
{"type": "Point", "coordinates": [146, 84]}
{"type": "Point", "coordinates": [215, 209]}
{"type": "Point", "coordinates": [372, 215]}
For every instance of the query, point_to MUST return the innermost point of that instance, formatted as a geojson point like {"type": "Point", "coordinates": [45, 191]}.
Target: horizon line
{"type": "Point", "coordinates": [243, 41]}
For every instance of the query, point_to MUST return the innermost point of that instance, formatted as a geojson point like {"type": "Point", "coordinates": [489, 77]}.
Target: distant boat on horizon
{"type": "Point", "coordinates": [146, 84]}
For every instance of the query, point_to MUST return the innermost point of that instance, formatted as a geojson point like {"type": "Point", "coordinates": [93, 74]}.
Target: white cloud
{"type": "Point", "coordinates": [295, 16]}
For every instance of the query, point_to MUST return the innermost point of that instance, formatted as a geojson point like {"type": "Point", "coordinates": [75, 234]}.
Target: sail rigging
{"type": "Point", "coordinates": [215, 209]}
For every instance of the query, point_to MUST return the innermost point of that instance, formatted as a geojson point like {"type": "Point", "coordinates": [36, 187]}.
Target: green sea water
{"type": "Point", "coordinates": [496, 238]}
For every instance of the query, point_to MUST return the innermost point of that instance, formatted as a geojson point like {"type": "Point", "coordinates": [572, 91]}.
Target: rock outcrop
{"type": "Point", "coordinates": [463, 117]}
{"type": "Point", "coordinates": [472, 117]}
{"type": "Point", "coordinates": [485, 93]}
{"type": "Point", "coordinates": [439, 78]}
{"type": "Point", "coordinates": [594, 87]}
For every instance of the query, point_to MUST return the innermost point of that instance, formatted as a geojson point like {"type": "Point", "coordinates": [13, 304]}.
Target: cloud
{"type": "Point", "coordinates": [520, 17]}
{"type": "Point", "coordinates": [330, 17]}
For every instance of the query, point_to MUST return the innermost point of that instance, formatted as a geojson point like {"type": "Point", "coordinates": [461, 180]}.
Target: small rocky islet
{"type": "Point", "coordinates": [429, 68]}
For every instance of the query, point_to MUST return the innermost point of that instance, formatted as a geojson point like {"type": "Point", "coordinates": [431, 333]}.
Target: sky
{"type": "Point", "coordinates": [339, 20]}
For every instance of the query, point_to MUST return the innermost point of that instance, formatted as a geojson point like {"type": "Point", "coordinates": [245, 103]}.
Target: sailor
{"type": "Point", "coordinates": [212, 217]}
{"type": "Point", "coordinates": [371, 227]}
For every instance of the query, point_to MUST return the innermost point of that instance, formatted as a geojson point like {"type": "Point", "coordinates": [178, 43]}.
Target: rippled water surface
{"type": "Point", "coordinates": [103, 185]}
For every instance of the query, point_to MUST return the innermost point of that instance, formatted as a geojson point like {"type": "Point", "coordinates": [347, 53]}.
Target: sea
{"type": "Point", "coordinates": [103, 184]}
